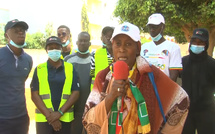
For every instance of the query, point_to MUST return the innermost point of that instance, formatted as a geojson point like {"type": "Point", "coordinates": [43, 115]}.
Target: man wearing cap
{"type": "Point", "coordinates": [54, 90]}
{"type": "Point", "coordinates": [63, 32]}
{"type": "Point", "coordinates": [15, 66]}
{"type": "Point", "coordinates": [198, 80]}
{"type": "Point", "coordinates": [160, 52]}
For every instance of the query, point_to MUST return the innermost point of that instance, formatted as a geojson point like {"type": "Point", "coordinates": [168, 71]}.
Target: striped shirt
{"type": "Point", "coordinates": [92, 70]}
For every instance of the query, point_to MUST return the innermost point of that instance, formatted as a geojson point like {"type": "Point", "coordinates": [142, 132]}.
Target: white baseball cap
{"type": "Point", "coordinates": [128, 29]}
{"type": "Point", "coordinates": [156, 19]}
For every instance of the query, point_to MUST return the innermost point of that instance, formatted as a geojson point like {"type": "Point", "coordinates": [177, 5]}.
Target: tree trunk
{"type": "Point", "coordinates": [187, 32]}
{"type": "Point", "coordinates": [211, 41]}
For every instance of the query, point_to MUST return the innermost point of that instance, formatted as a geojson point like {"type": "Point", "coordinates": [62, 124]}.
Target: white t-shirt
{"type": "Point", "coordinates": [165, 56]}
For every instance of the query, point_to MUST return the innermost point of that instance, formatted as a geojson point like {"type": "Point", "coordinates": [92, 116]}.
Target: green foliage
{"type": "Point", "coordinates": [2, 38]}
{"type": "Point", "coordinates": [180, 15]}
{"type": "Point", "coordinates": [84, 19]}
{"type": "Point", "coordinates": [35, 41]}
{"type": "Point", "coordinates": [49, 30]}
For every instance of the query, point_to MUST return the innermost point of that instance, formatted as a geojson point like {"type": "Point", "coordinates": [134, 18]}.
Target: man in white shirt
{"type": "Point", "coordinates": [164, 54]}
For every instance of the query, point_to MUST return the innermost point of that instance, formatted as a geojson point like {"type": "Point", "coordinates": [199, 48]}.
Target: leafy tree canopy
{"type": "Point", "coordinates": [181, 16]}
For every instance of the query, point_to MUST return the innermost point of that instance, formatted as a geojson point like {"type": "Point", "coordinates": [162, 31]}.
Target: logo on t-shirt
{"type": "Point", "coordinates": [165, 53]}
{"type": "Point", "coordinates": [145, 51]}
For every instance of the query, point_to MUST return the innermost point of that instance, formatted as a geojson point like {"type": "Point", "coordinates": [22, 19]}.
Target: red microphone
{"type": "Point", "coordinates": [120, 72]}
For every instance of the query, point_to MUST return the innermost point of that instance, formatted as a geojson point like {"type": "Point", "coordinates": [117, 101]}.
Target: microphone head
{"type": "Point", "coordinates": [120, 70]}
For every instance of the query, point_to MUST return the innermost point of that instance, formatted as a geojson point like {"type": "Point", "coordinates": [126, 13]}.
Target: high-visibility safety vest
{"type": "Point", "coordinates": [45, 93]}
{"type": "Point", "coordinates": [101, 62]}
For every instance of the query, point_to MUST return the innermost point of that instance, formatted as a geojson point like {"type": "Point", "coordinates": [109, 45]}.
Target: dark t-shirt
{"type": "Point", "coordinates": [82, 66]}
{"type": "Point", "coordinates": [56, 79]}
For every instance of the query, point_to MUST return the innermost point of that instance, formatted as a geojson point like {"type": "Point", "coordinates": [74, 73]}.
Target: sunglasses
{"type": "Point", "coordinates": [63, 34]}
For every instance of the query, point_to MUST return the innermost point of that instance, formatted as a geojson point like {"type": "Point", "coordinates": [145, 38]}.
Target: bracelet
{"type": "Point", "coordinates": [60, 112]}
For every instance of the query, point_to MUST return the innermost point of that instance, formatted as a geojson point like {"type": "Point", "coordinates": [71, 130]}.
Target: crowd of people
{"type": "Point", "coordinates": [124, 87]}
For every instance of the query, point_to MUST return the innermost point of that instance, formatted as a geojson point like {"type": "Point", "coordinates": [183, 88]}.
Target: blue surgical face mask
{"type": "Point", "coordinates": [158, 37]}
{"type": "Point", "coordinates": [86, 52]}
{"type": "Point", "coordinates": [104, 44]}
{"type": "Point", "coordinates": [197, 49]}
{"type": "Point", "coordinates": [54, 54]}
{"type": "Point", "coordinates": [66, 44]}
{"type": "Point", "coordinates": [15, 45]}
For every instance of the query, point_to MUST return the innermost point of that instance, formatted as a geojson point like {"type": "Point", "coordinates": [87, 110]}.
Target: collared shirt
{"type": "Point", "coordinates": [13, 74]}
{"type": "Point", "coordinates": [16, 57]}
{"type": "Point", "coordinates": [56, 79]}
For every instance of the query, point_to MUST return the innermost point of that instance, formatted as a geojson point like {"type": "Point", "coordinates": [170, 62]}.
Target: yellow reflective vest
{"type": "Point", "coordinates": [101, 62]}
{"type": "Point", "coordinates": [45, 93]}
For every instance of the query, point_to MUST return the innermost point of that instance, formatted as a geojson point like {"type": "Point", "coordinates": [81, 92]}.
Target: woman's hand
{"type": "Point", "coordinates": [53, 117]}
{"type": "Point", "coordinates": [56, 125]}
{"type": "Point", "coordinates": [117, 88]}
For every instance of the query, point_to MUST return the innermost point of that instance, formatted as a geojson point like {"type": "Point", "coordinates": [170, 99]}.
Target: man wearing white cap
{"type": "Point", "coordinates": [160, 52]}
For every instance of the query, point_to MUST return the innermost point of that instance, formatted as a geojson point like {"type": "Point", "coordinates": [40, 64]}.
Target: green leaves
{"type": "Point", "coordinates": [84, 19]}
{"type": "Point", "coordinates": [2, 38]}
{"type": "Point", "coordinates": [35, 41]}
{"type": "Point", "coordinates": [180, 15]}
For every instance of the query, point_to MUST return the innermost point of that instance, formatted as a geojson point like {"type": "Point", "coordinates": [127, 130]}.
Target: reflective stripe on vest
{"type": "Point", "coordinates": [45, 93]}
{"type": "Point", "coordinates": [101, 62]}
